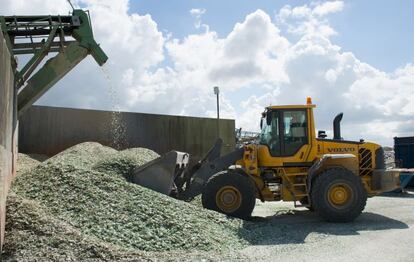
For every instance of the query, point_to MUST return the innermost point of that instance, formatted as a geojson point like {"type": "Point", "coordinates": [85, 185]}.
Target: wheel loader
{"type": "Point", "coordinates": [333, 177]}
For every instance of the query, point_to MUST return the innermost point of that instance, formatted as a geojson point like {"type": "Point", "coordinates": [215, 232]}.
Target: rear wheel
{"type": "Point", "coordinates": [230, 193]}
{"type": "Point", "coordinates": [338, 195]}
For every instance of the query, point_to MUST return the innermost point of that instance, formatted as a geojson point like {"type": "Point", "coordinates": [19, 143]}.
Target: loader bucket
{"type": "Point", "coordinates": [160, 173]}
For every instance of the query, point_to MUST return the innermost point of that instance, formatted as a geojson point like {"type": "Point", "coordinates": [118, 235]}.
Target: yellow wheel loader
{"type": "Point", "coordinates": [289, 162]}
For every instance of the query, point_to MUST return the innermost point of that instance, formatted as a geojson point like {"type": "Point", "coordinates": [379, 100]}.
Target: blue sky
{"type": "Point", "coordinates": [369, 28]}
{"type": "Point", "coordinates": [355, 57]}
{"type": "Point", "coordinates": [378, 32]}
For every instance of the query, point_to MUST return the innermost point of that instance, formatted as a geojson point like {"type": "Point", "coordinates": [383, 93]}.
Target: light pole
{"type": "Point", "coordinates": [217, 92]}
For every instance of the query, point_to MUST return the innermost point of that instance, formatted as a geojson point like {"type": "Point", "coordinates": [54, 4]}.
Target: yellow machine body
{"type": "Point", "coordinates": [293, 170]}
{"type": "Point", "coordinates": [289, 162]}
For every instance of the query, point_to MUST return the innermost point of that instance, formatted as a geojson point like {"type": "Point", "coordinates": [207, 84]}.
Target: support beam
{"type": "Point", "coordinates": [54, 69]}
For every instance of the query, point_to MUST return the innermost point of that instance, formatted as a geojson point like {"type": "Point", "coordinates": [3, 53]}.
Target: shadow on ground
{"type": "Point", "coordinates": [39, 157]}
{"type": "Point", "coordinates": [294, 226]}
{"type": "Point", "coordinates": [408, 193]}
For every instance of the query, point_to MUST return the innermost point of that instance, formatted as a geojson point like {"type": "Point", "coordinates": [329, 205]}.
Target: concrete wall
{"type": "Point", "coordinates": [49, 130]}
{"type": "Point", "coordinates": [8, 127]}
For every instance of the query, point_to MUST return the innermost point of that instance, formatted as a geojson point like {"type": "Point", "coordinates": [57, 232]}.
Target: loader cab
{"type": "Point", "coordinates": [286, 135]}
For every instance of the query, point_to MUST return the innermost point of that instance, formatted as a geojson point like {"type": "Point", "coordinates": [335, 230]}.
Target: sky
{"type": "Point", "coordinates": [165, 57]}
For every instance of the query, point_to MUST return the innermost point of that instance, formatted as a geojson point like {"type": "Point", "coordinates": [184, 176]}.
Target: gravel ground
{"type": "Point", "coordinates": [384, 232]}
{"type": "Point", "coordinates": [43, 227]}
{"type": "Point", "coordinates": [28, 162]}
{"type": "Point", "coordinates": [77, 205]}
{"type": "Point", "coordinates": [33, 234]}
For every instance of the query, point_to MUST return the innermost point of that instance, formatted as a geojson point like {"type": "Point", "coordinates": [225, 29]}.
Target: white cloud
{"type": "Point", "coordinates": [249, 120]}
{"type": "Point", "coordinates": [250, 53]}
{"type": "Point", "coordinates": [35, 7]}
{"type": "Point", "coordinates": [155, 73]}
{"type": "Point", "coordinates": [328, 8]}
{"type": "Point", "coordinates": [197, 13]}
{"type": "Point", "coordinates": [309, 18]}
{"type": "Point", "coordinates": [131, 40]}
{"type": "Point", "coordinates": [391, 94]}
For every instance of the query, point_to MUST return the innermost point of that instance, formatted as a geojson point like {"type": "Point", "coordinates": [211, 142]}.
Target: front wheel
{"type": "Point", "coordinates": [338, 195]}
{"type": "Point", "coordinates": [230, 193]}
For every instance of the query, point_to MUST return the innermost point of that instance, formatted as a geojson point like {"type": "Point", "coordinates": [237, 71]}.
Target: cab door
{"type": "Point", "coordinates": [288, 144]}
{"type": "Point", "coordinates": [294, 131]}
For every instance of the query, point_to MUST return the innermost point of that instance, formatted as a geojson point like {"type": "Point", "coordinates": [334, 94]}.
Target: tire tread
{"type": "Point", "coordinates": [320, 204]}
{"type": "Point", "coordinates": [241, 182]}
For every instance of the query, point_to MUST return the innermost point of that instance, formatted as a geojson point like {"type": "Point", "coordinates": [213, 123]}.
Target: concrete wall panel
{"type": "Point", "coordinates": [49, 130]}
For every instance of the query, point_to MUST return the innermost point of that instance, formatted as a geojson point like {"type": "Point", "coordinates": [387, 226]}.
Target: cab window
{"type": "Point", "coordinates": [295, 131]}
{"type": "Point", "coordinates": [286, 133]}
{"type": "Point", "coordinates": [270, 134]}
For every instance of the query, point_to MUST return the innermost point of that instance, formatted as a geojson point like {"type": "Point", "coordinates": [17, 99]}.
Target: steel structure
{"type": "Point", "coordinates": [70, 36]}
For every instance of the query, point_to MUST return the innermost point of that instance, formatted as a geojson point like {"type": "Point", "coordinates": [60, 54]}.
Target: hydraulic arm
{"type": "Point", "coordinates": [71, 37]}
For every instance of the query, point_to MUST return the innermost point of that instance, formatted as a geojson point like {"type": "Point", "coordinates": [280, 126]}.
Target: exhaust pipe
{"type": "Point", "coordinates": [337, 126]}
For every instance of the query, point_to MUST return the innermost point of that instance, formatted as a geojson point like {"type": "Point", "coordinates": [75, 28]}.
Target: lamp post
{"type": "Point", "coordinates": [217, 92]}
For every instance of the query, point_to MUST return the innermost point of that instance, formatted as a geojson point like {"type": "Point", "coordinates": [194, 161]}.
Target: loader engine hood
{"type": "Point", "coordinates": [370, 155]}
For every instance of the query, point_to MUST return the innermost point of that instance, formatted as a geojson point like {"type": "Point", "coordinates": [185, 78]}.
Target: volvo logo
{"type": "Point", "coordinates": [341, 150]}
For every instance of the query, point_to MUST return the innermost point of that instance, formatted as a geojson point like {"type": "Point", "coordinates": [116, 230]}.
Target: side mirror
{"type": "Point", "coordinates": [322, 134]}
{"type": "Point", "coordinates": [268, 118]}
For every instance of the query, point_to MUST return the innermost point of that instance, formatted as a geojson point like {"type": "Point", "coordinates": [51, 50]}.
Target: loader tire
{"type": "Point", "coordinates": [230, 193]}
{"type": "Point", "coordinates": [338, 195]}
